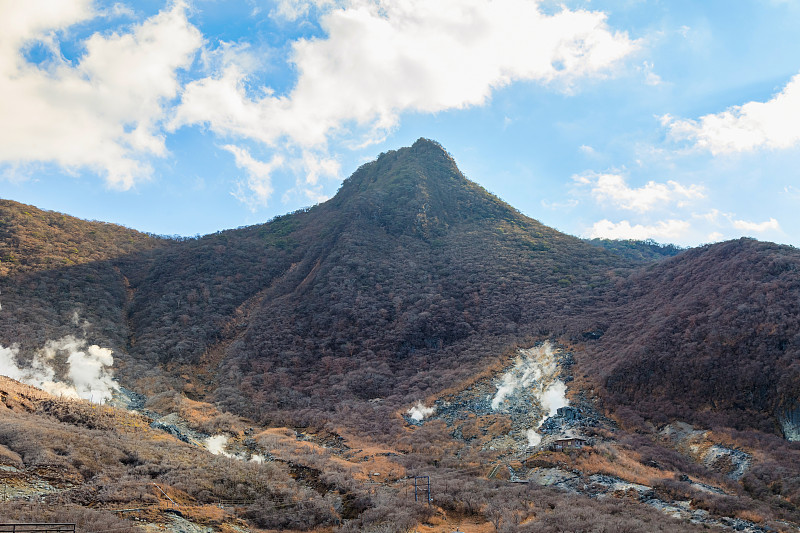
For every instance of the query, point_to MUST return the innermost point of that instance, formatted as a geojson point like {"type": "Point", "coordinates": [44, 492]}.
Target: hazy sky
{"type": "Point", "coordinates": [673, 120]}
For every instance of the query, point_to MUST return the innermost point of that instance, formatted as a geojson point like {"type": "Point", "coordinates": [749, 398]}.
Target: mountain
{"type": "Point", "coordinates": [392, 315]}
{"type": "Point", "coordinates": [410, 264]}
{"type": "Point", "coordinates": [409, 280]}
{"type": "Point", "coordinates": [708, 336]}
{"type": "Point", "coordinates": [414, 273]}
{"type": "Point", "coordinates": [61, 276]}
{"type": "Point", "coordinates": [32, 240]}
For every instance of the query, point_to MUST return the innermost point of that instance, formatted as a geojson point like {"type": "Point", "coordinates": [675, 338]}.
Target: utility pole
{"type": "Point", "coordinates": [422, 484]}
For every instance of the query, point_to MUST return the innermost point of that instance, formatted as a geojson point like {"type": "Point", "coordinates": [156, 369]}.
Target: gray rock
{"type": "Point", "coordinates": [790, 424]}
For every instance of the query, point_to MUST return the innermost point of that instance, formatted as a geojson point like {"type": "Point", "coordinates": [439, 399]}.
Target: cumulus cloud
{"type": "Point", "coordinates": [612, 188]}
{"type": "Point", "coordinates": [295, 9]}
{"type": "Point", "coordinates": [670, 230]}
{"type": "Point", "coordinates": [751, 126]}
{"type": "Point", "coordinates": [758, 227]}
{"type": "Point", "coordinates": [728, 221]}
{"type": "Point", "coordinates": [103, 111]}
{"type": "Point", "coordinates": [111, 108]}
{"type": "Point", "coordinates": [381, 58]}
{"type": "Point", "coordinates": [316, 166]}
{"type": "Point", "coordinates": [309, 166]}
{"type": "Point", "coordinates": [257, 188]}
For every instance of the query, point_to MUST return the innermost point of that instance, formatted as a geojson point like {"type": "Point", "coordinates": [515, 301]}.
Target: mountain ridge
{"type": "Point", "coordinates": [411, 281]}
{"type": "Point", "coordinates": [408, 258]}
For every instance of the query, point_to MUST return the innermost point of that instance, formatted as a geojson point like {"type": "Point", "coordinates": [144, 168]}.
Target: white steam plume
{"type": "Point", "coordinates": [554, 397]}
{"type": "Point", "coordinates": [216, 445]}
{"type": "Point", "coordinates": [88, 374]}
{"type": "Point", "coordinates": [533, 437]}
{"type": "Point", "coordinates": [419, 411]}
{"type": "Point", "coordinates": [535, 372]}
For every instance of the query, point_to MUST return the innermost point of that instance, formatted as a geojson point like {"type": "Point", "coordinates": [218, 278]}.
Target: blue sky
{"type": "Point", "coordinates": [673, 120]}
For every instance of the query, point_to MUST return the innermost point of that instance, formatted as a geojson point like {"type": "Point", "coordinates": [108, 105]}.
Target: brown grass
{"type": "Point", "coordinates": [607, 459]}
{"type": "Point", "coordinates": [753, 516]}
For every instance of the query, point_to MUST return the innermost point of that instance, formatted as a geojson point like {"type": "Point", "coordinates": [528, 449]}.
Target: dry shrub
{"type": "Point", "coordinates": [9, 457]}
{"type": "Point", "coordinates": [559, 512]}
{"type": "Point", "coordinates": [87, 520]}
{"type": "Point", "coordinates": [164, 402]}
{"type": "Point", "coordinates": [718, 504]}
{"type": "Point", "coordinates": [607, 459]}
{"type": "Point", "coordinates": [207, 418]}
{"type": "Point", "coordinates": [752, 516]}
{"type": "Point", "coordinates": [204, 514]}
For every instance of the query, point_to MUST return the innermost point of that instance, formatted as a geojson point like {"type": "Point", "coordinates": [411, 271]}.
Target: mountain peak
{"type": "Point", "coordinates": [418, 190]}
{"type": "Point", "coordinates": [429, 146]}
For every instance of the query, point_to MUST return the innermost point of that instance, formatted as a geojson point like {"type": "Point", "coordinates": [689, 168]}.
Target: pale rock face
{"type": "Point", "coordinates": [790, 424]}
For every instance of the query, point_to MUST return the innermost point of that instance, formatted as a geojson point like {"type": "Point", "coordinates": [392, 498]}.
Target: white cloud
{"type": "Point", "coordinates": [712, 217]}
{"type": "Point", "coordinates": [105, 111]}
{"type": "Point", "coordinates": [294, 9]}
{"type": "Point", "coordinates": [256, 190]}
{"type": "Point", "coordinates": [382, 58]}
{"type": "Point", "coordinates": [670, 230]}
{"type": "Point", "coordinates": [22, 21]}
{"type": "Point", "coordinates": [316, 166]}
{"type": "Point", "coordinates": [558, 206]}
{"type": "Point", "coordinates": [613, 189]}
{"type": "Point", "coordinates": [721, 225]}
{"type": "Point", "coordinates": [754, 125]}
{"type": "Point", "coordinates": [233, 54]}
{"type": "Point", "coordinates": [650, 77]}
{"type": "Point", "coordinates": [110, 109]}
{"type": "Point", "coordinates": [791, 191]}
{"type": "Point", "coordinates": [758, 227]}
{"type": "Point", "coordinates": [120, 10]}
{"type": "Point", "coordinates": [310, 167]}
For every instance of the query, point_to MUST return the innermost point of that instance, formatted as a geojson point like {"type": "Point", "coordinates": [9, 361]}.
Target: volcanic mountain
{"type": "Point", "coordinates": [411, 279]}
{"type": "Point", "coordinates": [410, 285]}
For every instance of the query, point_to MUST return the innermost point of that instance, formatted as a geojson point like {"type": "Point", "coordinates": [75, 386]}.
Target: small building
{"type": "Point", "coordinates": [568, 443]}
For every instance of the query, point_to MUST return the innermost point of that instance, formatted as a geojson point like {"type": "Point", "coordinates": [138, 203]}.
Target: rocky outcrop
{"type": "Point", "coordinates": [698, 445]}
{"type": "Point", "coordinates": [790, 423]}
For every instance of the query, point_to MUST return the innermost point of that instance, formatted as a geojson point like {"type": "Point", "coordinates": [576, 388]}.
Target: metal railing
{"type": "Point", "coordinates": [36, 528]}
{"type": "Point", "coordinates": [172, 503]}
{"type": "Point", "coordinates": [234, 503]}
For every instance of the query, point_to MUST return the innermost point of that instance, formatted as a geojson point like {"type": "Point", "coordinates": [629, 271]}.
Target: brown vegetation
{"type": "Point", "coordinates": [336, 319]}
